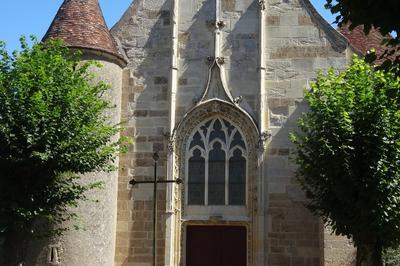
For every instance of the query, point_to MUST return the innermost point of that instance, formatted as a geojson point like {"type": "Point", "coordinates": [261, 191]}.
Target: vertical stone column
{"type": "Point", "coordinates": [262, 69]}
{"type": "Point", "coordinates": [170, 193]}
{"type": "Point", "coordinates": [263, 116]}
{"type": "Point", "coordinates": [217, 31]}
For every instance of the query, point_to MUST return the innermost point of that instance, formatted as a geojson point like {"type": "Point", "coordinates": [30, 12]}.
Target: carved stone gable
{"type": "Point", "coordinates": [216, 86]}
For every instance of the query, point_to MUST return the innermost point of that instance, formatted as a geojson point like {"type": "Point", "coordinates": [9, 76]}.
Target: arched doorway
{"type": "Point", "coordinates": [217, 157]}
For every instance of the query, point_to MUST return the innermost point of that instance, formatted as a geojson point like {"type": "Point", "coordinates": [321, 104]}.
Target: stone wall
{"type": "Point", "coordinates": [338, 251]}
{"type": "Point", "coordinates": [241, 51]}
{"type": "Point", "coordinates": [143, 35]}
{"type": "Point", "coordinates": [298, 44]}
{"type": "Point", "coordinates": [195, 44]}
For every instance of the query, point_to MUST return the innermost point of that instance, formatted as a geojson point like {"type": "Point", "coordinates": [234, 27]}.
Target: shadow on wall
{"type": "Point", "coordinates": [242, 51]}
{"type": "Point", "coordinates": [294, 236]}
{"type": "Point", "coordinates": [144, 35]}
{"type": "Point", "coordinates": [196, 43]}
{"type": "Point", "coordinates": [287, 213]}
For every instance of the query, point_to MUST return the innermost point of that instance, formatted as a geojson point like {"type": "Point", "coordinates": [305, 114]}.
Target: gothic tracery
{"type": "Point", "coordinates": [216, 165]}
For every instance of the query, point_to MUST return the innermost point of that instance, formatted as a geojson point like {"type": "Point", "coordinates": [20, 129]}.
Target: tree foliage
{"type": "Point", "coordinates": [373, 13]}
{"type": "Point", "coordinates": [382, 16]}
{"type": "Point", "coordinates": [391, 257]}
{"type": "Point", "coordinates": [348, 152]}
{"type": "Point", "coordinates": [52, 130]}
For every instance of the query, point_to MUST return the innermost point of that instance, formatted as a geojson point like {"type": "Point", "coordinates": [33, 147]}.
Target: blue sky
{"type": "Point", "coordinates": [33, 17]}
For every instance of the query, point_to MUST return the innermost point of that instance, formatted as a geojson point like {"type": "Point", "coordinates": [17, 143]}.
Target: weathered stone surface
{"type": "Point", "coordinates": [296, 45]}
{"type": "Point", "coordinates": [301, 52]}
{"type": "Point", "coordinates": [228, 5]}
{"type": "Point", "coordinates": [144, 34]}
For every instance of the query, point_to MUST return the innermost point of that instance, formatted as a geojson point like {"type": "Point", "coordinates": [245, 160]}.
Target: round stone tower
{"type": "Point", "coordinates": [80, 23]}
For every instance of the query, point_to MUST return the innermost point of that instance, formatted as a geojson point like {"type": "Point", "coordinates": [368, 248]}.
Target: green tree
{"type": "Point", "coordinates": [52, 130]}
{"type": "Point", "coordinates": [382, 15]}
{"type": "Point", "coordinates": [374, 13]}
{"type": "Point", "coordinates": [391, 257]}
{"type": "Point", "coordinates": [348, 152]}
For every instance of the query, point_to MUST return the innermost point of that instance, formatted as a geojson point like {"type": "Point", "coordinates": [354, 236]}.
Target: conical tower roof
{"type": "Point", "coordinates": [80, 23]}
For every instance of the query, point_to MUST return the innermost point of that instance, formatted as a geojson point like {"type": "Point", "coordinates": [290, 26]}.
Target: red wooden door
{"type": "Point", "coordinates": [216, 246]}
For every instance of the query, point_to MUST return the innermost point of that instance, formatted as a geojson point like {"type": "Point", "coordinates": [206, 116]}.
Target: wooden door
{"type": "Point", "coordinates": [216, 246]}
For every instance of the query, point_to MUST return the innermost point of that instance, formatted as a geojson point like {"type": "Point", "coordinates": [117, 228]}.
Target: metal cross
{"type": "Point", "coordinates": [155, 182]}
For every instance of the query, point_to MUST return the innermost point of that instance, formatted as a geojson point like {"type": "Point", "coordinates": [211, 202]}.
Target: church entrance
{"type": "Point", "coordinates": [216, 246]}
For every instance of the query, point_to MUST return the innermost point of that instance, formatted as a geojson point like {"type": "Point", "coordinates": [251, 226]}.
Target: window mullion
{"type": "Point", "coordinates": [226, 178]}
{"type": "Point", "coordinates": [206, 179]}
{"type": "Point", "coordinates": [187, 179]}
{"type": "Point", "coordinates": [203, 138]}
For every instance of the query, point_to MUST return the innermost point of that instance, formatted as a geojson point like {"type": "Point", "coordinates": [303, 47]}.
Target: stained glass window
{"type": "Point", "coordinates": [217, 165]}
{"type": "Point", "coordinates": [237, 178]}
{"type": "Point", "coordinates": [196, 179]}
{"type": "Point", "coordinates": [216, 175]}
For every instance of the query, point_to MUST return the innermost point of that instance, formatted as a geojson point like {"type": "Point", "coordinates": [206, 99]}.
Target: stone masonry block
{"type": "Point", "coordinates": [160, 80]}
{"type": "Point", "coordinates": [304, 19]}
{"type": "Point", "coordinates": [289, 19]}
{"type": "Point", "coordinates": [228, 5]}
{"type": "Point", "coordinates": [273, 20]}
{"type": "Point", "coordinates": [292, 31]}
{"type": "Point", "coordinates": [299, 52]}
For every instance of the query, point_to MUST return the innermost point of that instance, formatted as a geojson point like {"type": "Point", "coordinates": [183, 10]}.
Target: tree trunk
{"type": "Point", "coordinates": [369, 254]}
{"type": "Point", "coordinates": [15, 246]}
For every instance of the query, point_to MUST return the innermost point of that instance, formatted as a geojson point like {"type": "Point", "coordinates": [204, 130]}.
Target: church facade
{"type": "Point", "coordinates": [215, 87]}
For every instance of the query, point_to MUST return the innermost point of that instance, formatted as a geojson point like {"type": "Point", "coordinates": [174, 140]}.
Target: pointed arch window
{"type": "Point", "coordinates": [216, 165]}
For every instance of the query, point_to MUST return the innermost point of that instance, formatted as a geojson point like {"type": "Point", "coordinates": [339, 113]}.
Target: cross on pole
{"type": "Point", "coordinates": [155, 182]}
